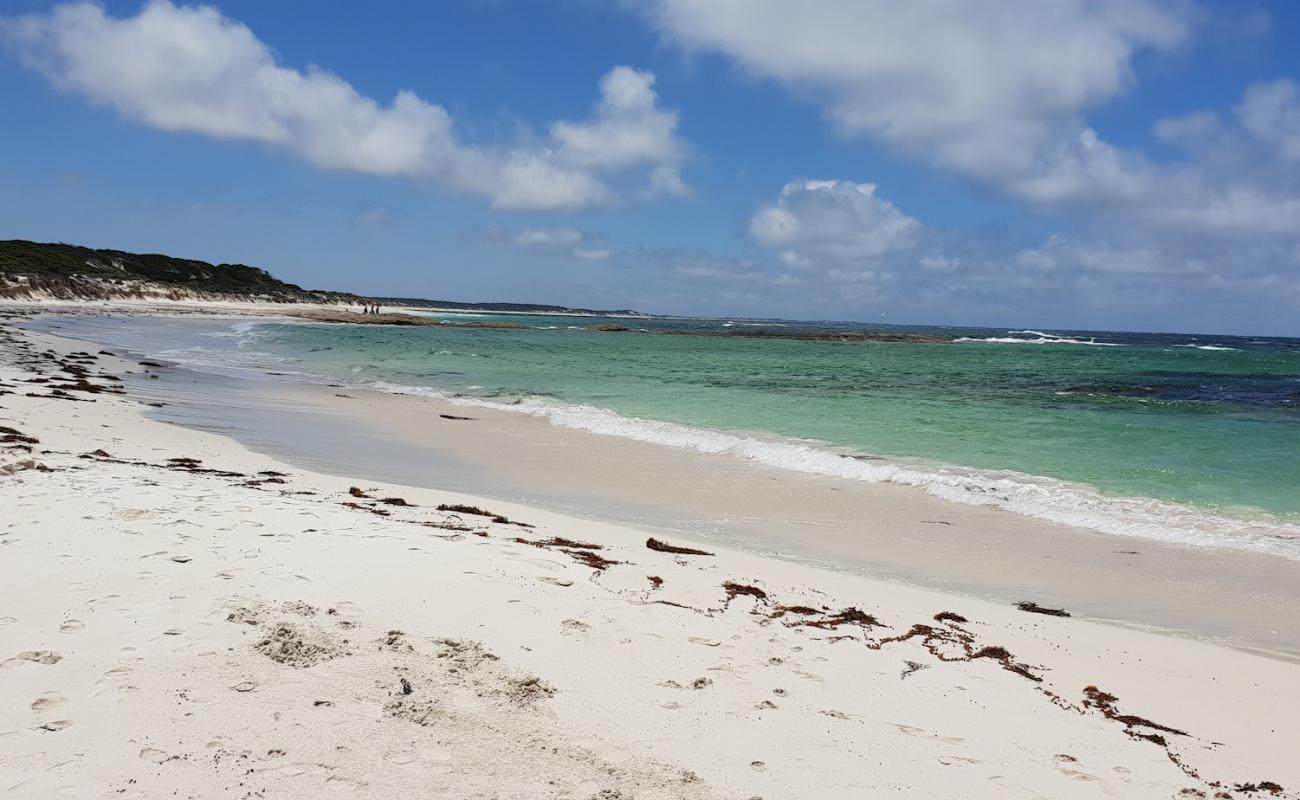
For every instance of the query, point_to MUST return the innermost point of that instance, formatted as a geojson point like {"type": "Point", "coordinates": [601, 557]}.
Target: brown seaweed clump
{"type": "Point", "coordinates": [663, 547]}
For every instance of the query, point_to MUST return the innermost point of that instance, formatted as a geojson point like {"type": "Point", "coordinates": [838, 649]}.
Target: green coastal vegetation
{"type": "Point", "coordinates": [68, 272]}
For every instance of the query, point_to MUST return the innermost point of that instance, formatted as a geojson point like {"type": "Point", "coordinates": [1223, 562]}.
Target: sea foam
{"type": "Point", "coordinates": [1039, 338]}
{"type": "Point", "coordinates": [1050, 499]}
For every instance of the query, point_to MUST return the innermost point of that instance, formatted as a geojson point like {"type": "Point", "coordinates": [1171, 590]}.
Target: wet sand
{"type": "Point", "coordinates": [887, 531]}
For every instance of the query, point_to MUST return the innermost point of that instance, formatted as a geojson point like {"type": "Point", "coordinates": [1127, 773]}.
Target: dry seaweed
{"type": "Point", "coordinates": [458, 508]}
{"type": "Point", "coordinates": [664, 547]}
{"type": "Point", "coordinates": [735, 590]}
{"type": "Point", "coordinates": [1034, 608]}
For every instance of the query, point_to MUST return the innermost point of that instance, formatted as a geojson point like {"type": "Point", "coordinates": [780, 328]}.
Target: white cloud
{"type": "Point", "coordinates": [554, 241]}
{"type": "Point", "coordinates": [993, 90]}
{"type": "Point", "coordinates": [372, 216]}
{"type": "Point", "coordinates": [999, 92]}
{"type": "Point", "coordinates": [1238, 211]}
{"type": "Point", "coordinates": [836, 221]}
{"type": "Point", "coordinates": [1270, 111]}
{"type": "Point", "coordinates": [940, 263]}
{"type": "Point", "coordinates": [1188, 128]}
{"type": "Point", "coordinates": [190, 69]}
{"type": "Point", "coordinates": [629, 129]}
{"type": "Point", "coordinates": [548, 237]}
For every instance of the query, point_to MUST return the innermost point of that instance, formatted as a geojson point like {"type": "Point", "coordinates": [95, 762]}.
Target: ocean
{"type": "Point", "coordinates": [1182, 438]}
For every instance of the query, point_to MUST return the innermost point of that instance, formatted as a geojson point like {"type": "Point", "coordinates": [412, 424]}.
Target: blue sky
{"type": "Point", "coordinates": [1055, 163]}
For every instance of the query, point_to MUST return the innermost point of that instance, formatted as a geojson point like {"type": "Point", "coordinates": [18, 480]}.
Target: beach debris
{"type": "Point", "coordinates": [1105, 703]}
{"type": "Point", "coordinates": [912, 667]}
{"type": "Point", "coordinates": [735, 590]}
{"type": "Point", "coordinates": [1262, 786]}
{"type": "Point", "coordinates": [452, 526]}
{"type": "Point", "coordinates": [1003, 656]}
{"type": "Point", "coordinates": [501, 519]}
{"type": "Point", "coordinates": [655, 581]}
{"type": "Point", "coordinates": [245, 686]}
{"type": "Point", "coordinates": [379, 511]}
{"type": "Point", "coordinates": [357, 491]}
{"type": "Point", "coordinates": [194, 465]}
{"type": "Point", "coordinates": [22, 466]}
{"type": "Point", "coordinates": [256, 482]}
{"type": "Point", "coordinates": [406, 686]}
{"type": "Point", "coordinates": [456, 418]}
{"type": "Point", "coordinates": [1034, 608]}
{"type": "Point", "coordinates": [825, 620]}
{"type": "Point", "coordinates": [949, 616]}
{"type": "Point", "coordinates": [13, 436]}
{"type": "Point", "coordinates": [582, 552]}
{"type": "Point", "coordinates": [664, 547]}
{"type": "Point", "coordinates": [395, 640]}
{"type": "Point", "coordinates": [560, 541]}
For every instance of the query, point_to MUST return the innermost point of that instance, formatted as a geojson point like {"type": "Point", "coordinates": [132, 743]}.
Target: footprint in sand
{"type": "Point", "coordinates": [55, 726]}
{"type": "Point", "coordinates": [41, 656]}
{"type": "Point", "coordinates": [8, 620]}
{"type": "Point", "coordinates": [48, 701]}
{"type": "Point", "coordinates": [704, 641]}
{"type": "Point", "coordinates": [345, 613]}
{"type": "Point", "coordinates": [72, 626]}
{"type": "Point", "coordinates": [573, 626]}
{"type": "Point", "coordinates": [154, 755]}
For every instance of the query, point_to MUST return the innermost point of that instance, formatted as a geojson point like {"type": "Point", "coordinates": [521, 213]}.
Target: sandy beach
{"type": "Point", "coordinates": [185, 616]}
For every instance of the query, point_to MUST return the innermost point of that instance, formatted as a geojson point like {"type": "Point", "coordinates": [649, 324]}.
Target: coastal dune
{"type": "Point", "coordinates": [184, 616]}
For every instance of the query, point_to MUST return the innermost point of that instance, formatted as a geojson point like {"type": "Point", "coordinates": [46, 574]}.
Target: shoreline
{"type": "Point", "coordinates": [147, 583]}
{"type": "Point", "coordinates": [879, 530]}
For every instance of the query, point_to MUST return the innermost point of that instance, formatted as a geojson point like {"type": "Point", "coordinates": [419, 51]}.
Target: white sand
{"type": "Point", "coordinates": [171, 632]}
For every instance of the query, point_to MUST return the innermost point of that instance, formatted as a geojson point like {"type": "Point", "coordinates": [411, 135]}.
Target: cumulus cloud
{"type": "Point", "coordinates": [629, 129]}
{"type": "Point", "coordinates": [1270, 111]}
{"type": "Point", "coordinates": [1000, 92]}
{"type": "Point", "coordinates": [190, 69]}
{"type": "Point", "coordinates": [553, 241]}
{"type": "Point", "coordinates": [993, 90]}
{"type": "Point", "coordinates": [816, 221]}
{"type": "Point", "coordinates": [1187, 128]}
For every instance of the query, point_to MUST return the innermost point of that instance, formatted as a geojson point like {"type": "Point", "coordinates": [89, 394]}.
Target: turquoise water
{"type": "Point", "coordinates": [1211, 424]}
